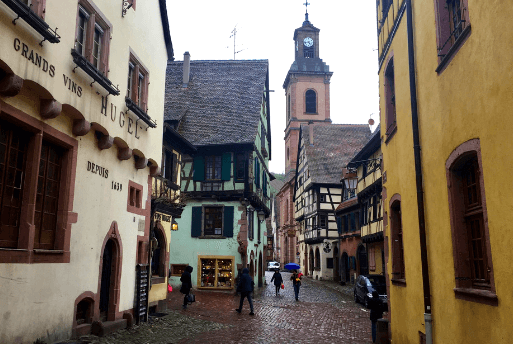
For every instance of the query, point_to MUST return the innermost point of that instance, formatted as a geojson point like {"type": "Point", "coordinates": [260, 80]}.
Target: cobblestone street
{"type": "Point", "coordinates": [325, 313]}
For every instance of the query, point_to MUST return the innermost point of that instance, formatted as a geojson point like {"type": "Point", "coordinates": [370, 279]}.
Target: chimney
{"type": "Point", "coordinates": [186, 68]}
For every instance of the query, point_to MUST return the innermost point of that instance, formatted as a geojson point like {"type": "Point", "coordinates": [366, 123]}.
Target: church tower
{"type": "Point", "coordinates": [307, 90]}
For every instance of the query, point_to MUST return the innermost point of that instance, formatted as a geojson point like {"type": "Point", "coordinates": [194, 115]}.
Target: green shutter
{"type": "Point", "coordinates": [196, 221]}
{"type": "Point", "coordinates": [199, 168]}
{"type": "Point", "coordinates": [228, 222]}
{"type": "Point", "coordinates": [226, 167]}
{"type": "Point", "coordinates": [257, 175]}
{"type": "Point", "coordinates": [256, 171]}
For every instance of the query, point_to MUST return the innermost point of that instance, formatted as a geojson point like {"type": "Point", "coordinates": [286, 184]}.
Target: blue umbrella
{"type": "Point", "coordinates": [292, 266]}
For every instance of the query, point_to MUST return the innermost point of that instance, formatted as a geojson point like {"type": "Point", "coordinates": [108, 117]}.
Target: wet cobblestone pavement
{"type": "Point", "coordinates": [325, 313]}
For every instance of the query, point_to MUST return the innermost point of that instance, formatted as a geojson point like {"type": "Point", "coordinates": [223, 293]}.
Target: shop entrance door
{"type": "Point", "coordinates": [106, 280]}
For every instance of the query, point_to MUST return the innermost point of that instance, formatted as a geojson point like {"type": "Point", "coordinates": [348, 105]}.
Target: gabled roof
{"type": "Point", "coordinates": [222, 102]}
{"type": "Point", "coordinates": [332, 148]}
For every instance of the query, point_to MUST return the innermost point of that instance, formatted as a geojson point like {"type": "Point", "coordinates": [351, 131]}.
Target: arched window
{"type": "Point", "coordinates": [311, 101]}
{"type": "Point", "coordinates": [469, 223]}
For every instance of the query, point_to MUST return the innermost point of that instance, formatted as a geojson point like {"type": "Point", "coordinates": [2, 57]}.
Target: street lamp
{"type": "Point", "coordinates": [174, 225]}
{"type": "Point", "coordinates": [350, 180]}
{"type": "Point", "coordinates": [261, 215]}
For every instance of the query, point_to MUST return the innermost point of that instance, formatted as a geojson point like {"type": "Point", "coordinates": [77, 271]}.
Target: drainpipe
{"type": "Point", "coordinates": [418, 176]}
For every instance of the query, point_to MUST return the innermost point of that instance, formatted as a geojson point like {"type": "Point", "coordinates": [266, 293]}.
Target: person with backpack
{"type": "Point", "coordinates": [376, 312]}
{"type": "Point", "coordinates": [245, 287]}
{"type": "Point", "coordinates": [186, 284]}
{"type": "Point", "coordinates": [296, 282]}
{"type": "Point", "coordinates": [278, 280]}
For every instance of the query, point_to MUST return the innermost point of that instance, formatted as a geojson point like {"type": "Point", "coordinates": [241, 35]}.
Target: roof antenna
{"type": "Point", "coordinates": [234, 33]}
{"type": "Point", "coordinates": [306, 13]}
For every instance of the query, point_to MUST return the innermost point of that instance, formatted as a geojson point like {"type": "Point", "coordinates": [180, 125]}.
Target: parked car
{"type": "Point", "coordinates": [271, 266]}
{"type": "Point", "coordinates": [366, 284]}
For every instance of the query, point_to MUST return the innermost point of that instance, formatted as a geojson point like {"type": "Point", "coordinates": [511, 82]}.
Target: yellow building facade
{"type": "Point", "coordinates": [444, 90]}
{"type": "Point", "coordinates": [79, 142]}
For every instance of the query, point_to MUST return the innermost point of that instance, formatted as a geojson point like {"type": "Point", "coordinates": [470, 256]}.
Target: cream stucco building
{"type": "Point", "coordinates": [80, 135]}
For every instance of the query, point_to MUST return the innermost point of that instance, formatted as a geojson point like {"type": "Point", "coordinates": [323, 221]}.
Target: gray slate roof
{"type": "Point", "coordinates": [222, 102]}
{"type": "Point", "coordinates": [333, 147]}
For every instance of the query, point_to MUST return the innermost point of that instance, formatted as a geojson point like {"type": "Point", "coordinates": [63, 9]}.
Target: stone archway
{"type": "Point", "coordinates": [109, 280]}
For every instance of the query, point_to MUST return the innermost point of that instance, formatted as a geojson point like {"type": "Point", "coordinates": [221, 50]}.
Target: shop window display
{"type": "Point", "coordinates": [217, 273]}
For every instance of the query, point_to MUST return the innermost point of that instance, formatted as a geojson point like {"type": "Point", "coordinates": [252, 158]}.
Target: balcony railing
{"type": "Point", "coordinates": [139, 112]}
{"type": "Point", "coordinates": [453, 37]}
{"type": "Point", "coordinates": [31, 18]}
{"type": "Point", "coordinates": [94, 73]}
{"type": "Point", "coordinates": [162, 188]}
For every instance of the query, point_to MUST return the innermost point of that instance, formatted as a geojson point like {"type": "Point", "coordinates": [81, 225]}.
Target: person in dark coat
{"type": "Point", "coordinates": [296, 282]}
{"type": "Point", "coordinates": [278, 280]}
{"type": "Point", "coordinates": [376, 312]}
{"type": "Point", "coordinates": [245, 288]}
{"type": "Point", "coordinates": [186, 284]}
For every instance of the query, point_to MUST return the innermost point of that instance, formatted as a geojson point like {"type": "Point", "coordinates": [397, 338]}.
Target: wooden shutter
{"type": "Point", "coordinates": [199, 168]}
{"type": "Point", "coordinates": [257, 173]}
{"type": "Point", "coordinates": [174, 178]}
{"type": "Point", "coordinates": [226, 167]}
{"type": "Point", "coordinates": [196, 221]}
{"type": "Point", "coordinates": [339, 225]}
{"type": "Point", "coordinates": [228, 222]}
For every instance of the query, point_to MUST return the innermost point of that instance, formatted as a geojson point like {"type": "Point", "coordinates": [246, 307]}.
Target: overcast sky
{"type": "Point", "coordinates": [265, 30]}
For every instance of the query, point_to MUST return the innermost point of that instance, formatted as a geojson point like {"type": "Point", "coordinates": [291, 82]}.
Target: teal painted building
{"type": "Point", "coordinates": [222, 108]}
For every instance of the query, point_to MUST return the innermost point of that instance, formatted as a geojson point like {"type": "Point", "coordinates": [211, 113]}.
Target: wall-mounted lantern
{"type": "Point", "coordinates": [261, 215]}
{"type": "Point", "coordinates": [174, 225]}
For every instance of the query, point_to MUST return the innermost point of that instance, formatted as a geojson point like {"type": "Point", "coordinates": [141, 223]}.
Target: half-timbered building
{"type": "Point", "coordinates": [322, 153]}
{"type": "Point", "coordinates": [367, 165]}
{"type": "Point", "coordinates": [222, 108]}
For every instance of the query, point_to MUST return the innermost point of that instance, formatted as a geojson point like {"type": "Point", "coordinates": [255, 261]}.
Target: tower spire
{"type": "Point", "coordinates": [306, 13]}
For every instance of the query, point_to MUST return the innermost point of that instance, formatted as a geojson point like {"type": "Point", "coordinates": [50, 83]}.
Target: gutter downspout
{"type": "Point", "coordinates": [418, 176]}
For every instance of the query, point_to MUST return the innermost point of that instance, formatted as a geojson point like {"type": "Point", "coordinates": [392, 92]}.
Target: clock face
{"type": "Point", "coordinates": [308, 42]}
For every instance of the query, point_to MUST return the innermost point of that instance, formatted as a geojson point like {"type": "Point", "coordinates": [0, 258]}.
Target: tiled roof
{"type": "Point", "coordinates": [370, 147]}
{"type": "Point", "coordinates": [333, 147]}
{"type": "Point", "coordinates": [222, 102]}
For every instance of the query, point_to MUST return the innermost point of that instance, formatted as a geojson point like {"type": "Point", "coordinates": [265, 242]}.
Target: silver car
{"type": "Point", "coordinates": [271, 266]}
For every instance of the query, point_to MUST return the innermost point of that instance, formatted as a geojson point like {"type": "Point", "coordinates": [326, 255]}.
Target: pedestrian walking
{"type": "Point", "coordinates": [245, 288]}
{"type": "Point", "coordinates": [376, 312]}
{"type": "Point", "coordinates": [186, 284]}
{"type": "Point", "coordinates": [278, 280]}
{"type": "Point", "coordinates": [296, 282]}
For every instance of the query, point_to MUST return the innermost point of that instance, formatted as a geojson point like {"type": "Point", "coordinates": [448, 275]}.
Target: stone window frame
{"type": "Point", "coordinates": [447, 45]}
{"type": "Point", "coordinates": [134, 199]}
{"type": "Point", "coordinates": [138, 90]}
{"type": "Point", "coordinates": [25, 252]}
{"type": "Point", "coordinates": [397, 242]}
{"type": "Point", "coordinates": [95, 18]}
{"type": "Point", "coordinates": [463, 285]}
